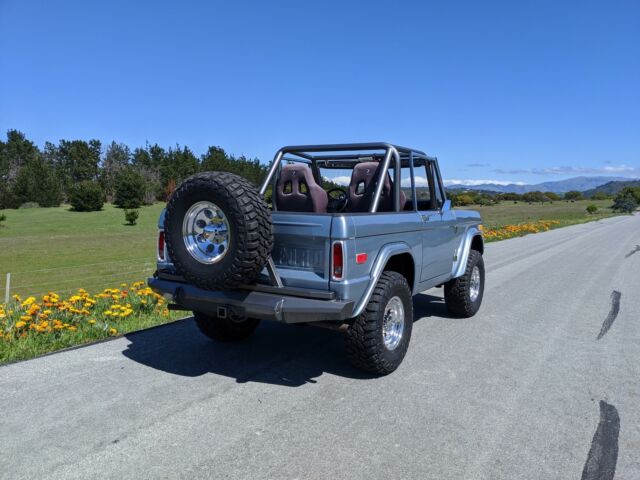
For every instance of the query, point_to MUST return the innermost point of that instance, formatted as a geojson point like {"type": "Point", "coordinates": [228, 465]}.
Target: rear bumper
{"type": "Point", "coordinates": [252, 303]}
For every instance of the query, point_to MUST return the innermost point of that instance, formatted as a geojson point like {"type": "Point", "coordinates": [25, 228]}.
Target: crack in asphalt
{"type": "Point", "coordinates": [613, 313]}
{"type": "Point", "coordinates": [603, 454]}
{"type": "Point", "coordinates": [635, 250]}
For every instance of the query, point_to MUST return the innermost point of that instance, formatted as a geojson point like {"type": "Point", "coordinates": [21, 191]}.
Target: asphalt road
{"type": "Point", "coordinates": [544, 383]}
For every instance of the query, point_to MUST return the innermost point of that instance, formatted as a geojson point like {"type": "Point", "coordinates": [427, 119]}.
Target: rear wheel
{"type": "Point", "coordinates": [378, 338]}
{"type": "Point", "coordinates": [225, 329]}
{"type": "Point", "coordinates": [463, 295]}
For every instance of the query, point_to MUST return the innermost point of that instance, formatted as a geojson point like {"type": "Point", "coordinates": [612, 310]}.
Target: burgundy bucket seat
{"type": "Point", "coordinates": [363, 185]}
{"type": "Point", "coordinates": [297, 190]}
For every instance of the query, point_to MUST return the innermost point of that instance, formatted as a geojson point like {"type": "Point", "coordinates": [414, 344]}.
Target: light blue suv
{"type": "Point", "coordinates": [342, 235]}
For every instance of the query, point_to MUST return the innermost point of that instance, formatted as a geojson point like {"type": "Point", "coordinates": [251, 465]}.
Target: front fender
{"type": "Point", "coordinates": [377, 268]}
{"type": "Point", "coordinates": [462, 253]}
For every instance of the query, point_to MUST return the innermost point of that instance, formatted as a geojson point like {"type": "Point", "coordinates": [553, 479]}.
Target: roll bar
{"type": "Point", "coordinates": [396, 152]}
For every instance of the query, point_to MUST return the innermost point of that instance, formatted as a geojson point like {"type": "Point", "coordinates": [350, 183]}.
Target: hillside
{"type": "Point", "coordinates": [560, 186]}
{"type": "Point", "coordinates": [611, 188]}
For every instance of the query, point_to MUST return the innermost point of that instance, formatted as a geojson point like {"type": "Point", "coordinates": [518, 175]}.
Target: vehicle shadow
{"type": "Point", "coordinates": [287, 355]}
{"type": "Point", "coordinates": [277, 354]}
{"type": "Point", "coordinates": [427, 305]}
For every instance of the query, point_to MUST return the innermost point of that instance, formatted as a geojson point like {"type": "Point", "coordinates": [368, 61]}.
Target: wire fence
{"type": "Point", "coordinates": [65, 280]}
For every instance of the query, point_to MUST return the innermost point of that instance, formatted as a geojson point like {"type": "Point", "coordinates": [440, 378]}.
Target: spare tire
{"type": "Point", "coordinates": [218, 230]}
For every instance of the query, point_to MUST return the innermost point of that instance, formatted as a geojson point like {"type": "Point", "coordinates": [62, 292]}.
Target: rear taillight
{"type": "Point", "coordinates": [161, 245]}
{"type": "Point", "coordinates": [337, 261]}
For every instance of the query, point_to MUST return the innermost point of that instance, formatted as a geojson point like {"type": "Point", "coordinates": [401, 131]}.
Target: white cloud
{"type": "Point", "coordinates": [342, 180]}
{"type": "Point", "coordinates": [453, 182]}
{"type": "Point", "coordinates": [420, 182]}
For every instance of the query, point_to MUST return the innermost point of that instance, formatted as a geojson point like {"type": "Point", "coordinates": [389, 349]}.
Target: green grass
{"type": "Point", "coordinates": [55, 249]}
{"type": "Point", "coordinates": [567, 213]}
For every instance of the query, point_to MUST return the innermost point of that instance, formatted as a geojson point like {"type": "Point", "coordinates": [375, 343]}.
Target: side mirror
{"type": "Point", "coordinates": [446, 206]}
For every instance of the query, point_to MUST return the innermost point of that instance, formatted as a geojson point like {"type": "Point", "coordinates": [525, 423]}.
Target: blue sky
{"type": "Point", "coordinates": [507, 91]}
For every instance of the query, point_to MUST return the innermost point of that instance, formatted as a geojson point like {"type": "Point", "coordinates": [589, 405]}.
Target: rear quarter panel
{"type": "Point", "coordinates": [369, 233]}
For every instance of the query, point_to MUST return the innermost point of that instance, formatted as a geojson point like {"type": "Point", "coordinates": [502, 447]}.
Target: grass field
{"type": "Point", "coordinates": [567, 213]}
{"type": "Point", "coordinates": [57, 249]}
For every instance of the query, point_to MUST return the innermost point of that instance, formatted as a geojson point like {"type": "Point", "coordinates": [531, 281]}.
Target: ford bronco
{"type": "Point", "coordinates": [339, 235]}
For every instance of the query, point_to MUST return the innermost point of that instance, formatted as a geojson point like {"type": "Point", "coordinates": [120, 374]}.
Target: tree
{"type": "Point", "coordinates": [169, 189]}
{"type": "Point", "coordinates": [573, 195]}
{"type": "Point", "coordinates": [535, 197]}
{"type": "Point", "coordinates": [37, 182]}
{"type": "Point", "coordinates": [626, 200]}
{"type": "Point", "coordinates": [553, 197]}
{"type": "Point", "coordinates": [116, 158]}
{"type": "Point", "coordinates": [14, 154]}
{"type": "Point", "coordinates": [130, 189]}
{"type": "Point", "coordinates": [599, 196]}
{"type": "Point", "coordinates": [180, 163]}
{"type": "Point", "coordinates": [79, 160]}
{"type": "Point", "coordinates": [86, 196]}
{"type": "Point", "coordinates": [217, 159]}
{"type": "Point", "coordinates": [464, 200]}
{"type": "Point", "coordinates": [510, 197]}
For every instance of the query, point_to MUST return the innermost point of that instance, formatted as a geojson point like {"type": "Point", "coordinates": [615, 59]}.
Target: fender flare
{"type": "Point", "coordinates": [386, 252]}
{"type": "Point", "coordinates": [462, 253]}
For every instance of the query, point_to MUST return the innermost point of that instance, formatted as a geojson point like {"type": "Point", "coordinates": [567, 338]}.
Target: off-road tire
{"type": "Point", "coordinates": [225, 329]}
{"type": "Point", "coordinates": [251, 231]}
{"type": "Point", "coordinates": [457, 291]}
{"type": "Point", "coordinates": [365, 344]}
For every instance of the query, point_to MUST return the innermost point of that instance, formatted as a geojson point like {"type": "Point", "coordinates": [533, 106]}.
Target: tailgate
{"type": "Point", "coordinates": [301, 248]}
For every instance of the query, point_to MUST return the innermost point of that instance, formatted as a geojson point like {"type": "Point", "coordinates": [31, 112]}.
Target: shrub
{"type": "Point", "coordinates": [131, 216]}
{"type": "Point", "coordinates": [463, 200]}
{"type": "Point", "coordinates": [86, 196]}
{"type": "Point", "coordinates": [130, 189]}
{"type": "Point", "coordinates": [625, 201]}
{"type": "Point", "coordinates": [591, 209]}
{"type": "Point", "coordinates": [3, 218]}
{"type": "Point", "coordinates": [599, 196]}
{"type": "Point", "coordinates": [29, 205]}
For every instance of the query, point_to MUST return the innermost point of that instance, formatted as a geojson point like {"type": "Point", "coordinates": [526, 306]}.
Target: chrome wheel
{"type": "Point", "coordinates": [474, 284]}
{"type": "Point", "coordinates": [393, 323]}
{"type": "Point", "coordinates": [206, 232]}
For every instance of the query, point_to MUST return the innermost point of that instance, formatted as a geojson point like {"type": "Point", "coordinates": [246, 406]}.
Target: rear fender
{"type": "Point", "coordinates": [462, 253]}
{"type": "Point", "coordinates": [377, 269]}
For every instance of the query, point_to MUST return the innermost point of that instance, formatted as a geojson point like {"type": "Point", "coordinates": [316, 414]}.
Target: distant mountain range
{"type": "Point", "coordinates": [581, 184]}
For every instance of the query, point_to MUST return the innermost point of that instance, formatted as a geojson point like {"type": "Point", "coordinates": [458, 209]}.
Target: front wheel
{"type": "Point", "coordinates": [378, 338]}
{"type": "Point", "coordinates": [463, 295]}
{"type": "Point", "coordinates": [225, 329]}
